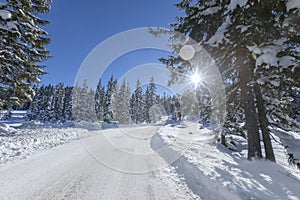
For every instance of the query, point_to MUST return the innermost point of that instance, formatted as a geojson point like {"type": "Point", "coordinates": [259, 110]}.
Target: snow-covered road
{"type": "Point", "coordinates": [110, 164]}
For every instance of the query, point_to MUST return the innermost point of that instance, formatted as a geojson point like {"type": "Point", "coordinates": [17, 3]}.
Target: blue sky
{"type": "Point", "coordinates": [77, 27]}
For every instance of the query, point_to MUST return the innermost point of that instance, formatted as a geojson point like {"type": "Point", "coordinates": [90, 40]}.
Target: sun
{"type": "Point", "coordinates": [196, 78]}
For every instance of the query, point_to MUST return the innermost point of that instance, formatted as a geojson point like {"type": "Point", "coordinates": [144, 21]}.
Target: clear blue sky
{"type": "Point", "coordinates": [78, 26]}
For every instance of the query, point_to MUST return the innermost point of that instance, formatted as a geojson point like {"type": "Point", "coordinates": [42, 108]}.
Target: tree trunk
{"type": "Point", "coordinates": [248, 104]}
{"type": "Point", "coordinates": [263, 121]}
{"type": "Point", "coordinates": [264, 124]}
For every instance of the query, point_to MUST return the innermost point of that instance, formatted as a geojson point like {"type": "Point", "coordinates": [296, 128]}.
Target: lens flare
{"type": "Point", "coordinates": [196, 78]}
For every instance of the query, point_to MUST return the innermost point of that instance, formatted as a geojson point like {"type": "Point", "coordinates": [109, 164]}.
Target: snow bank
{"type": "Point", "coordinates": [5, 129]}
{"type": "Point", "coordinates": [214, 172]}
{"type": "Point", "coordinates": [199, 183]}
{"type": "Point", "coordinates": [20, 143]}
{"type": "Point", "coordinates": [88, 125]}
{"type": "Point", "coordinates": [291, 141]}
{"type": "Point", "coordinates": [105, 125]}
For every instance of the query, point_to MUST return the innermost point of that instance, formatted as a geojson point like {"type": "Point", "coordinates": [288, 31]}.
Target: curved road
{"type": "Point", "coordinates": [111, 164]}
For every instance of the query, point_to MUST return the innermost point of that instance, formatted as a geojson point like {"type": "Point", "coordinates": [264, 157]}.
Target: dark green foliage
{"type": "Point", "coordinates": [22, 49]}
{"type": "Point", "coordinates": [244, 39]}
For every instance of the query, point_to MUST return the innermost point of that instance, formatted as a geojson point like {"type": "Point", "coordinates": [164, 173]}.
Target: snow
{"type": "Point", "coordinates": [88, 125]}
{"type": "Point", "coordinates": [287, 61]}
{"type": "Point", "coordinates": [275, 83]}
{"type": "Point", "coordinates": [234, 3]}
{"type": "Point", "coordinates": [268, 55]}
{"type": "Point", "coordinates": [71, 171]}
{"type": "Point", "coordinates": [4, 14]}
{"type": "Point", "coordinates": [291, 140]}
{"type": "Point", "coordinates": [211, 10]}
{"type": "Point", "coordinates": [10, 26]}
{"type": "Point", "coordinates": [5, 128]}
{"type": "Point", "coordinates": [254, 49]}
{"type": "Point", "coordinates": [243, 28]}
{"type": "Point", "coordinates": [267, 58]}
{"type": "Point", "coordinates": [20, 138]}
{"type": "Point", "coordinates": [182, 162]}
{"type": "Point", "coordinates": [230, 173]}
{"type": "Point", "coordinates": [20, 143]}
{"type": "Point", "coordinates": [219, 36]}
{"type": "Point", "coordinates": [291, 4]}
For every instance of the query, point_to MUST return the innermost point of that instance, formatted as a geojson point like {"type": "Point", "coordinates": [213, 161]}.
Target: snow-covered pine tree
{"type": "Point", "coordinates": [205, 105]}
{"type": "Point", "coordinates": [163, 100]}
{"type": "Point", "coordinates": [121, 105]}
{"type": "Point", "coordinates": [59, 99]}
{"type": "Point", "coordinates": [147, 106]}
{"type": "Point", "coordinates": [110, 92]}
{"type": "Point", "coordinates": [139, 104]}
{"type": "Point", "coordinates": [80, 102]}
{"type": "Point", "coordinates": [33, 109]}
{"type": "Point", "coordinates": [83, 102]}
{"type": "Point", "coordinates": [277, 63]}
{"type": "Point", "coordinates": [150, 100]}
{"type": "Point", "coordinates": [132, 107]}
{"type": "Point", "coordinates": [115, 103]}
{"type": "Point", "coordinates": [75, 101]}
{"type": "Point", "coordinates": [91, 112]}
{"type": "Point", "coordinates": [22, 49]}
{"type": "Point", "coordinates": [155, 113]}
{"type": "Point", "coordinates": [100, 100]}
{"type": "Point", "coordinates": [189, 105]}
{"type": "Point", "coordinates": [175, 109]}
{"type": "Point", "coordinates": [49, 109]}
{"type": "Point", "coordinates": [68, 113]}
{"type": "Point", "coordinates": [51, 104]}
{"type": "Point", "coordinates": [42, 105]}
{"type": "Point", "coordinates": [218, 26]}
{"type": "Point", "coordinates": [128, 97]}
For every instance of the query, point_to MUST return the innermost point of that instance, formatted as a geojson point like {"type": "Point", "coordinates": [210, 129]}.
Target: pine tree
{"type": "Point", "coordinates": [33, 109]}
{"type": "Point", "coordinates": [164, 101]}
{"type": "Point", "coordinates": [139, 104]}
{"type": "Point", "coordinates": [59, 98]}
{"type": "Point", "coordinates": [91, 112]}
{"type": "Point", "coordinates": [132, 107]}
{"type": "Point", "coordinates": [51, 104]}
{"type": "Point", "coordinates": [100, 101]}
{"type": "Point", "coordinates": [110, 92]}
{"type": "Point", "coordinates": [243, 61]}
{"type": "Point", "coordinates": [121, 105]}
{"type": "Point", "coordinates": [48, 113]}
{"type": "Point", "coordinates": [22, 49]}
{"type": "Point", "coordinates": [150, 100]}
{"type": "Point", "coordinates": [68, 113]}
{"type": "Point", "coordinates": [189, 105]}
{"type": "Point", "coordinates": [80, 102]}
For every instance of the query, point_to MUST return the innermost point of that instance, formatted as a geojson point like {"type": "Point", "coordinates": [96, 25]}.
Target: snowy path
{"type": "Point", "coordinates": [75, 171]}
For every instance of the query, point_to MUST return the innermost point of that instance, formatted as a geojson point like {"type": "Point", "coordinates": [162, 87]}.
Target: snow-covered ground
{"type": "Point", "coordinates": [20, 143]}
{"type": "Point", "coordinates": [215, 168]}
{"type": "Point", "coordinates": [174, 161]}
{"type": "Point", "coordinates": [93, 168]}
{"type": "Point", "coordinates": [20, 138]}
